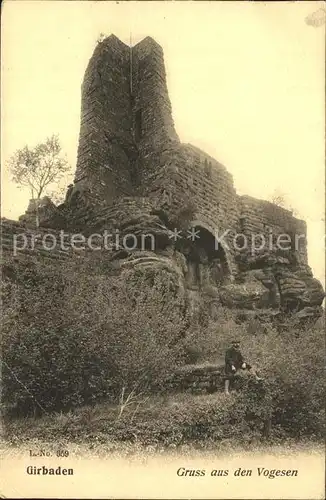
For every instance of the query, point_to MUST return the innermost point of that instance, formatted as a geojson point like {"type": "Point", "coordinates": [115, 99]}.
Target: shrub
{"type": "Point", "coordinates": [291, 363]}
{"type": "Point", "coordinates": [185, 419]}
{"type": "Point", "coordinates": [196, 420]}
{"type": "Point", "coordinates": [192, 353]}
{"type": "Point", "coordinates": [292, 393]}
{"type": "Point", "coordinates": [72, 337]}
{"type": "Point", "coordinates": [209, 342]}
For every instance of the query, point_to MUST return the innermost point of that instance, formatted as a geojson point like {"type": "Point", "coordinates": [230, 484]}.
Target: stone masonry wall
{"type": "Point", "coordinates": [106, 143]}
{"type": "Point", "coordinates": [154, 129]}
{"type": "Point", "coordinates": [263, 217]}
{"type": "Point", "coordinates": [126, 119]}
{"type": "Point", "coordinates": [197, 379]}
{"type": "Point", "coordinates": [29, 244]}
{"type": "Point", "coordinates": [189, 176]}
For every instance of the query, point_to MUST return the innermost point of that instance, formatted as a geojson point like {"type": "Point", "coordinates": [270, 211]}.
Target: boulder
{"type": "Point", "coordinates": [249, 295]}
{"type": "Point", "coordinates": [309, 313]}
{"type": "Point", "coordinates": [299, 289]}
{"type": "Point", "coordinates": [253, 289]}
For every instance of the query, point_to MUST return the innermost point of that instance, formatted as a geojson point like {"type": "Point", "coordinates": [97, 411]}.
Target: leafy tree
{"type": "Point", "coordinates": [38, 168]}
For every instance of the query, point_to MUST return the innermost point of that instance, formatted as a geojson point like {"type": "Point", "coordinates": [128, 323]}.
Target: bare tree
{"type": "Point", "coordinates": [38, 168]}
{"type": "Point", "coordinates": [280, 199]}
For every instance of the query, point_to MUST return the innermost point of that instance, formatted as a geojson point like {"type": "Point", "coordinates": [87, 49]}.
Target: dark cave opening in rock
{"type": "Point", "coordinates": [206, 260]}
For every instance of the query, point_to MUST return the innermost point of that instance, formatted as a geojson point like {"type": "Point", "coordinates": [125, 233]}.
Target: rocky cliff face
{"type": "Point", "coordinates": [135, 178]}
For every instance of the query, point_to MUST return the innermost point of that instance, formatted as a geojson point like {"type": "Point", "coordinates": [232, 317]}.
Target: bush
{"type": "Point", "coordinates": [291, 363]}
{"type": "Point", "coordinates": [192, 354]}
{"type": "Point", "coordinates": [73, 337]}
{"type": "Point", "coordinates": [292, 392]}
{"type": "Point", "coordinates": [209, 342]}
{"type": "Point", "coordinates": [198, 420]}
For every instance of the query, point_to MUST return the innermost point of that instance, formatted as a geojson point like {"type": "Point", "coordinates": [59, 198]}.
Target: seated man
{"type": "Point", "coordinates": [234, 361]}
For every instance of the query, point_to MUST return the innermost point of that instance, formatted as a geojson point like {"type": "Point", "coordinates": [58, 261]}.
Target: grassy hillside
{"type": "Point", "coordinates": [86, 356]}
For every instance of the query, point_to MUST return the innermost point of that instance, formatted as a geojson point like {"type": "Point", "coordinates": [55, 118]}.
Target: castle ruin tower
{"type": "Point", "coordinates": [126, 119]}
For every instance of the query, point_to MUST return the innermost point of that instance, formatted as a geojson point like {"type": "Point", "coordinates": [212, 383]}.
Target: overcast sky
{"type": "Point", "coordinates": [246, 82]}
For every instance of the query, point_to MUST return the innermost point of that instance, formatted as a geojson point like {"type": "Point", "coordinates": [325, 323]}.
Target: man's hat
{"type": "Point", "coordinates": [235, 342]}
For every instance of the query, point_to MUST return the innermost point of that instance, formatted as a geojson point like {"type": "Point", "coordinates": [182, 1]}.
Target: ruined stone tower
{"type": "Point", "coordinates": [133, 174]}
{"type": "Point", "coordinates": [126, 119]}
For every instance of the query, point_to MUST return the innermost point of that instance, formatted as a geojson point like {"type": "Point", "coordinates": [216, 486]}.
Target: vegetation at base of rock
{"type": "Point", "coordinates": [163, 421]}
{"type": "Point", "coordinates": [73, 338]}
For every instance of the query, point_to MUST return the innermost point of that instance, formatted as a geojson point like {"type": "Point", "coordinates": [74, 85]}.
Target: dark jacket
{"type": "Point", "coordinates": [233, 357]}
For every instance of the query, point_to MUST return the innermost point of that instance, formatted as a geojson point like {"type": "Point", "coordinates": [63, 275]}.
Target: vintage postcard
{"type": "Point", "coordinates": [163, 250]}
